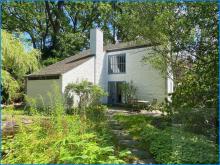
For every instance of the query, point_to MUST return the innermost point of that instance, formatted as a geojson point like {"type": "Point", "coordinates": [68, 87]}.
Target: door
{"type": "Point", "coordinates": [115, 92]}
{"type": "Point", "coordinates": [118, 92]}
{"type": "Point", "coordinates": [111, 92]}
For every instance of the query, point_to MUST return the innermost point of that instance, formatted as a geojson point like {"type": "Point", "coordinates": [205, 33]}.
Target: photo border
{"type": "Point", "coordinates": [174, 1]}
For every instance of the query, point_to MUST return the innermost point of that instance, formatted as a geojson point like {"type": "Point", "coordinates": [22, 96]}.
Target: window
{"type": "Point", "coordinates": [116, 64]}
{"type": "Point", "coordinates": [44, 77]}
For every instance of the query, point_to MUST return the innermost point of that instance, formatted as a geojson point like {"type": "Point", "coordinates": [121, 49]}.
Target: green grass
{"type": "Point", "coordinates": [62, 139]}
{"type": "Point", "coordinates": [169, 144]}
{"type": "Point", "coordinates": [12, 111]}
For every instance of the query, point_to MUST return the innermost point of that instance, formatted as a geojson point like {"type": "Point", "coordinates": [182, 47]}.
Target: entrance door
{"type": "Point", "coordinates": [115, 92]}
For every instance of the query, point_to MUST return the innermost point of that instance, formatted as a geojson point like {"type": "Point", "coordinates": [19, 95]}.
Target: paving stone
{"type": "Point", "coordinates": [125, 139]}
{"type": "Point", "coordinates": [117, 127]}
{"type": "Point", "coordinates": [139, 153]}
{"type": "Point", "coordinates": [144, 161]}
{"type": "Point", "coordinates": [123, 136]}
{"type": "Point", "coordinates": [119, 132]}
{"type": "Point", "coordinates": [114, 123]}
{"type": "Point", "coordinates": [128, 143]}
{"type": "Point", "coordinates": [116, 132]}
{"type": "Point", "coordinates": [27, 121]}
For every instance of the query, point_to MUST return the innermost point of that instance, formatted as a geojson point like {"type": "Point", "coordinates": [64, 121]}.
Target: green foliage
{"type": "Point", "coordinates": [171, 145]}
{"type": "Point", "coordinates": [31, 106]}
{"type": "Point", "coordinates": [58, 29]}
{"type": "Point", "coordinates": [96, 94]}
{"type": "Point", "coordinates": [196, 90]}
{"type": "Point", "coordinates": [12, 111]}
{"type": "Point", "coordinates": [16, 62]}
{"type": "Point", "coordinates": [61, 139]}
{"type": "Point", "coordinates": [188, 38]}
{"type": "Point", "coordinates": [82, 90]}
{"type": "Point", "coordinates": [50, 61]}
{"type": "Point", "coordinates": [88, 94]}
{"type": "Point", "coordinates": [69, 44]}
{"type": "Point", "coordinates": [157, 61]}
{"type": "Point", "coordinates": [199, 120]}
{"type": "Point", "coordinates": [195, 99]}
{"type": "Point", "coordinates": [177, 147]}
{"type": "Point", "coordinates": [128, 91]}
{"type": "Point", "coordinates": [51, 145]}
{"type": "Point", "coordinates": [10, 86]}
{"type": "Point", "coordinates": [96, 113]}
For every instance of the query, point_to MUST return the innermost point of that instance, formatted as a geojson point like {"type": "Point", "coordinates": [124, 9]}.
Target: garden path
{"type": "Point", "coordinates": [125, 140]}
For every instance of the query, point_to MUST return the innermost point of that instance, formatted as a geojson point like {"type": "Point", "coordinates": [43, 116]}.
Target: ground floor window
{"type": "Point", "coordinates": [115, 92]}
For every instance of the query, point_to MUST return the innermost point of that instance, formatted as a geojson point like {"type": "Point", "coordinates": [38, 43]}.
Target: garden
{"type": "Point", "coordinates": [65, 134]}
{"type": "Point", "coordinates": [55, 135]}
{"type": "Point", "coordinates": [167, 143]}
{"type": "Point", "coordinates": [37, 34]}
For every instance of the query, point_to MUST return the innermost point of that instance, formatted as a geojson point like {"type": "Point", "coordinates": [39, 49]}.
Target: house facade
{"type": "Point", "coordinates": [106, 66]}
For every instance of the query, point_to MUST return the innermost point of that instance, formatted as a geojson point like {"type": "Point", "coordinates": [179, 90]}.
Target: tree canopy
{"type": "Point", "coordinates": [16, 63]}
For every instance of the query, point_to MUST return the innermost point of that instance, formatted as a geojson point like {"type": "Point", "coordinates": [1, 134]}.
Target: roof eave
{"type": "Point", "coordinates": [128, 48]}
{"type": "Point", "coordinates": [31, 75]}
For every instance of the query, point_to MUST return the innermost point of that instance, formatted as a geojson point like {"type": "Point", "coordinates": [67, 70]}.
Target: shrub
{"type": "Point", "coordinates": [31, 107]}
{"type": "Point", "coordinates": [170, 145]}
{"type": "Point", "coordinates": [199, 120]}
{"type": "Point", "coordinates": [195, 100]}
{"type": "Point", "coordinates": [70, 144]}
{"type": "Point", "coordinates": [88, 94]}
{"type": "Point", "coordinates": [96, 113]}
{"type": "Point", "coordinates": [173, 146]}
{"type": "Point", "coordinates": [128, 91]}
{"type": "Point", "coordinates": [61, 139]}
{"type": "Point", "coordinates": [70, 141]}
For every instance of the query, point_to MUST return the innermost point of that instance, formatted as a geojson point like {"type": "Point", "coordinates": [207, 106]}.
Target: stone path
{"type": "Point", "coordinates": [10, 124]}
{"type": "Point", "coordinates": [125, 141]}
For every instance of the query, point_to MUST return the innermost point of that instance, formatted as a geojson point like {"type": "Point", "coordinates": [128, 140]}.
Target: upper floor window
{"type": "Point", "coordinates": [117, 64]}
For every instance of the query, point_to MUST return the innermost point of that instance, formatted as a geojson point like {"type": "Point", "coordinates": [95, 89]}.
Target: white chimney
{"type": "Point", "coordinates": [96, 41]}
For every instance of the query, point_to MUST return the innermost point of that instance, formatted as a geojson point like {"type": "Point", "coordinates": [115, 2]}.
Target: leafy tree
{"type": "Point", "coordinates": [29, 18]}
{"type": "Point", "coordinates": [59, 29]}
{"type": "Point", "coordinates": [185, 35]}
{"type": "Point", "coordinates": [16, 63]}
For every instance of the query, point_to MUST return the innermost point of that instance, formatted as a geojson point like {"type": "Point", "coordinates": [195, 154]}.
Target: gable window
{"type": "Point", "coordinates": [117, 64]}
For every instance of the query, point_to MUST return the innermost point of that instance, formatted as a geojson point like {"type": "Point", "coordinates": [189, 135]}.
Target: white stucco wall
{"type": "Point", "coordinates": [40, 89]}
{"type": "Point", "coordinates": [82, 72]}
{"type": "Point", "coordinates": [149, 81]}
{"type": "Point", "coordinates": [101, 78]}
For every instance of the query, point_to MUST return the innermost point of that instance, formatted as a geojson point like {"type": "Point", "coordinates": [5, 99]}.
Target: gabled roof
{"type": "Point", "coordinates": [76, 60]}
{"type": "Point", "coordinates": [64, 65]}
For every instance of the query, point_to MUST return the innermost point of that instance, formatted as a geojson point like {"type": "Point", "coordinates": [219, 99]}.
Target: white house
{"type": "Point", "coordinates": [106, 66]}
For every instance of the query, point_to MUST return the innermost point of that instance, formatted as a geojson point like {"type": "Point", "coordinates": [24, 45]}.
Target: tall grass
{"type": "Point", "coordinates": [61, 138]}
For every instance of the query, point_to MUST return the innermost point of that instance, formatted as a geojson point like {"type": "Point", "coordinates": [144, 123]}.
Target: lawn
{"type": "Point", "coordinates": [169, 144]}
